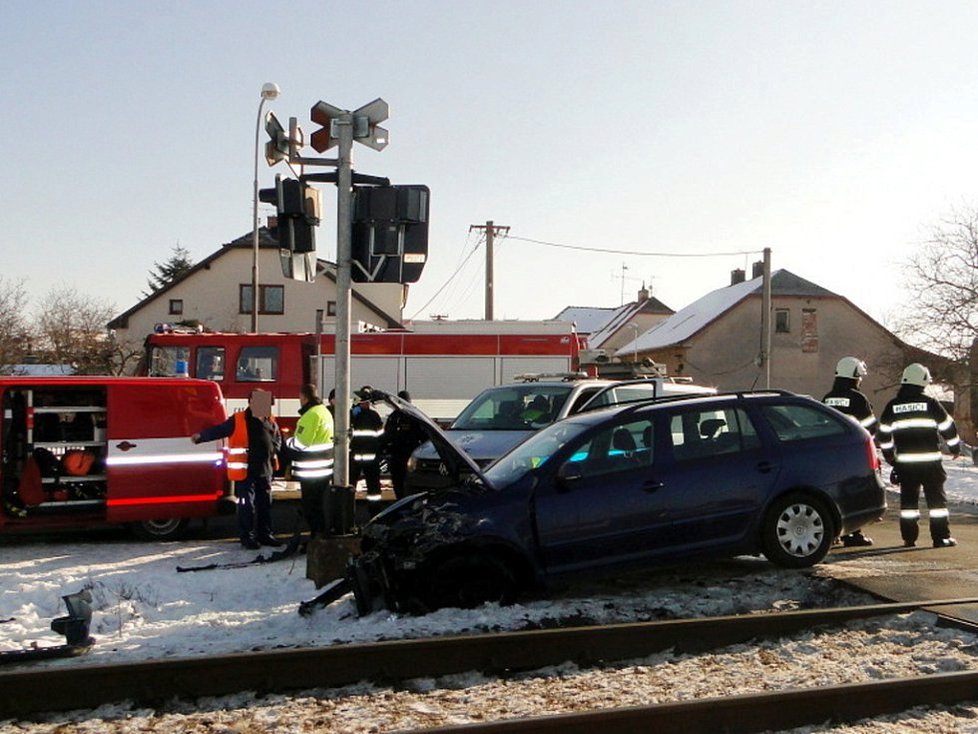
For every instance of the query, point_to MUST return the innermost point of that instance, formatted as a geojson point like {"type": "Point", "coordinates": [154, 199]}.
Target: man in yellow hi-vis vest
{"type": "Point", "coordinates": [311, 449]}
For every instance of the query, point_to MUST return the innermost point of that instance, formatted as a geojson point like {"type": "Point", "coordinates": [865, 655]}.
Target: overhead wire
{"type": "Point", "coordinates": [636, 253]}
{"type": "Point", "coordinates": [467, 289]}
{"type": "Point", "coordinates": [448, 281]}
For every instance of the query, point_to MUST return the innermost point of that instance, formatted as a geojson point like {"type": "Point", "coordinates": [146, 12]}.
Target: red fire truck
{"type": "Point", "coordinates": [443, 364]}
{"type": "Point", "coordinates": [78, 452]}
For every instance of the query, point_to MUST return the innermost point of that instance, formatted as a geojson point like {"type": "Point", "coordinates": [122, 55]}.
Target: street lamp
{"type": "Point", "coordinates": [268, 91]}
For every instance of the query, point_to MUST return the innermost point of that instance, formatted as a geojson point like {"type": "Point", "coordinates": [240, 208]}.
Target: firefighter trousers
{"type": "Point", "coordinates": [929, 477]}
{"type": "Point", "coordinates": [370, 471]}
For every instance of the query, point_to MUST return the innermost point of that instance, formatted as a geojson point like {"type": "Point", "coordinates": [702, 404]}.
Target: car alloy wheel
{"type": "Point", "coordinates": [798, 531]}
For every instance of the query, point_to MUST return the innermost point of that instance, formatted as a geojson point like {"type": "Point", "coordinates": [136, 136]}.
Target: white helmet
{"type": "Point", "coordinates": [916, 374]}
{"type": "Point", "coordinates": [850, 367]}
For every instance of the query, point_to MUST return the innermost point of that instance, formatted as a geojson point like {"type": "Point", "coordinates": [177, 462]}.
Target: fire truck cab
{"type": "Point", "coordinates": [82, 452]}
{"type": "Point", "coordinates": [443, 364]}
{"type": "Point", "coordinates": [238, 363]}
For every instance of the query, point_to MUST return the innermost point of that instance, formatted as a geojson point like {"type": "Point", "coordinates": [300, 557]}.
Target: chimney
{"type": "Point", "coordinates": [757, 269]}
{"type": "Point", "coordinates": [643, 294]}
{"type": "Point", "coordinates": [736, 276]}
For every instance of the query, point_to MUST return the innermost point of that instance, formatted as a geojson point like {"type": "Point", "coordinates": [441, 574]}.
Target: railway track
{"type": "Point", "coordinates": [148, 683]}
{"type": "Point", "coordinates": [748, 714]}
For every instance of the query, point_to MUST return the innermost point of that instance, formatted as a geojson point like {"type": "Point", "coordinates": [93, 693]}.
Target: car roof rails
{"type": "Point", "coordinates": [731, 394]}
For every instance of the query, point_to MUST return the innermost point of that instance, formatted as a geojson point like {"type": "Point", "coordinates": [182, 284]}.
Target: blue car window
{"type": "Point", "coordinates": [616, 448]}
{"type": "Point", "coordinates": [801, 422]}
{"type": "Point", "coordinates": [700, 434]}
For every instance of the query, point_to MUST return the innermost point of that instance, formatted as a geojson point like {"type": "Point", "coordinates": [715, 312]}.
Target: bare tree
{"type": "Point", "coordinates": [14, 342]}
{"type": "Point", "coordinates": [122, 356]}
{"type": "Point", "coordinates": [71, 330]}
{"type": "Point", "coordinates": [942, 276]}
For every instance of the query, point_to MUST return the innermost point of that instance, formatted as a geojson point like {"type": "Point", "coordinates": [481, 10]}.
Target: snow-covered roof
{"type": "Point", "coordinates": [587, 319]}
{"type": "Point", "coordinates": [623, 315]}
{"type": "Point", "coordinates": [689, 320]}
{"type": "Point", "coordinates": [40, 370]}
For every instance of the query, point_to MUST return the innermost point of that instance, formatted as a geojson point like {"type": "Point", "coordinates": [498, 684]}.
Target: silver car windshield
{"type": "Point", "coordinates": [534, 452]}
{"type": "Point", "coordinates": [523, 407]}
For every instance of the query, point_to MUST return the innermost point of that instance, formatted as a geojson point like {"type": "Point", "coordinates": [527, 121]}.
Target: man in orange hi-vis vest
{"type": "Point", "coordinates": [253, 444]}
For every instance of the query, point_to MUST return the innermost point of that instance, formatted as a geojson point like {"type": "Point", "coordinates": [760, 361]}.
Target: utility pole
{"type": "Point", "coordinates": [490, 235]}
{"type": "Point", "coordinates": [766, 318]}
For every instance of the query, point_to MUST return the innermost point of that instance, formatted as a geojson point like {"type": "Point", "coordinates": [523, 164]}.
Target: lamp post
{"type": "Point", "coordinates": [268, 91]}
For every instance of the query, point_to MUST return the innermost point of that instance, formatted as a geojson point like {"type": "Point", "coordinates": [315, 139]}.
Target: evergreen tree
{"type": "Point", "coordinates": [165, 273]}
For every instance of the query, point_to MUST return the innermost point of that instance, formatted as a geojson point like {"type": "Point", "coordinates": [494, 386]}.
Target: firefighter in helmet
{"type": "Point", "coordinates": [367, 430]}
{"type": "Point", "coordinates": [911, 429]}
{"type": "Point", "coordinates": [846, 398]}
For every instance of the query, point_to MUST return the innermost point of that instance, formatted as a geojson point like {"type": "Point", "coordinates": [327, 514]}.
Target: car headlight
{"type": "Point", "coordinates": [412, 464]}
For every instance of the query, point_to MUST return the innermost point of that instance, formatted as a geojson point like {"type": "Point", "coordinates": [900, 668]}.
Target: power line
{"type": "Point", "coordinates": [633, 252]}
{"type": "Point", "coordinates": [447, 282]}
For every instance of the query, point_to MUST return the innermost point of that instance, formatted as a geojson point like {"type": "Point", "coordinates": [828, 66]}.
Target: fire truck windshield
{"type": "Point", "coordinates": [257, 364]}
{"type": "Point", "coordinates": [163, 361]}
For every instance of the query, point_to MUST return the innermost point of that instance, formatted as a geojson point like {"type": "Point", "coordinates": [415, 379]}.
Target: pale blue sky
{"type": "Point", "coordinates": [833, 132]}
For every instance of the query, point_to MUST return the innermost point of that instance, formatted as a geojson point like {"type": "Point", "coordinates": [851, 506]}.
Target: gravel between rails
{"type": "Point", "coordinates": [904, 646]}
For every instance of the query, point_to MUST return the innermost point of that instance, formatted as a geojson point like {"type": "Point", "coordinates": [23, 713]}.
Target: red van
{"type": "Point", "coordinates": [89, 451]}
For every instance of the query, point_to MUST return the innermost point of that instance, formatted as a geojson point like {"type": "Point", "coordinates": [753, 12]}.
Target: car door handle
{"type": "Point", "coordinates": [652, 486]}
{"type": "Point", "coordinates": [766, 466]}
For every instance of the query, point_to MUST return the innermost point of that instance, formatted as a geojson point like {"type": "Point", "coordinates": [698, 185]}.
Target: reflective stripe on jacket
{"type": "Point", "coordinates": [368, 427]}
{"type": "Point", "coordinates": [238, 449]}
{"type": "Point", "coordinates": [911, 427]}
{"type": "Point", "coordinates": [312, 444]}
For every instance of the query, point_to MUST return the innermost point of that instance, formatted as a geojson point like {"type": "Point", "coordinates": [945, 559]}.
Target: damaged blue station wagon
{"type": "Point", "coordinates": [623, 488]}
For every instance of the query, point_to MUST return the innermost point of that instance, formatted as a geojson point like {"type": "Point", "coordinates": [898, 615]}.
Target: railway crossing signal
{"type": "Point", "coordinates": [390, 233]}
{"type": "Point", "coordinates": [365, 121]}
{"type": "Point", "coordinates": [298, 208]}
{"type": "Point", "coordinates": [277, 147]}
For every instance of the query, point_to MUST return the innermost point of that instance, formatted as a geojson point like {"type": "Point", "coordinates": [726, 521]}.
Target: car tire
{"type": "Point", "coordinates": [171, 528]}
{"type": "Point", "coordinates": [468, 581]}
{"type": "Point", "coordinates": [798, 531]}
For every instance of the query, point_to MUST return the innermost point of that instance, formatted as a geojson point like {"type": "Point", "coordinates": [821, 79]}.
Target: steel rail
{"type": "Point", "coordinates": [83, 686]}
{"type": "Point", "coordinates": [747, 713]}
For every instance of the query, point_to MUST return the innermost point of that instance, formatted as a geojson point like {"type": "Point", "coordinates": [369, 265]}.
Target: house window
{"type": "Point", "coordinates": [271, 299]}
{"type": "Point", "coordinates": [782, 324]}
{"type": "Point", "coordinates": [809, 330]}
{"type": "Point", "coordinates": [176, 306]}
{"type": "Point", "coordinates": [330, 308]}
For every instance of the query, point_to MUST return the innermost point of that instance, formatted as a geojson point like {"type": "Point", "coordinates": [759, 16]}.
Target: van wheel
{"type": "Point", "coordinates": [171, 528]}
{"type": "Point", "coordinates": [468, 581]}
{"type": "Point", "coordinates": [797, 532]}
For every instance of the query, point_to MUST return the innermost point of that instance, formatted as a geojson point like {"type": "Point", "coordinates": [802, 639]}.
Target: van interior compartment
{"type": "Point", "coordinates": [54, 450]}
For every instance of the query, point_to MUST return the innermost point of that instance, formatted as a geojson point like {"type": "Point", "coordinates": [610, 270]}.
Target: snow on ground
{"type": "Point", "coordinates": [144, 609]}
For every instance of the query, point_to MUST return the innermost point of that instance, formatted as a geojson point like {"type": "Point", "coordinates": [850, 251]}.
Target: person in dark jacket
{"type": "Point", "coordinates": [253, 445]}
{"type": "Point", "coordinates": [911, 429]}
{"type": "Point", "coordinates": [402, 435]}
{"type": "Point", "coordinates": [846, 398]}
{"type": "Point", "coordinates": [367, 428]}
